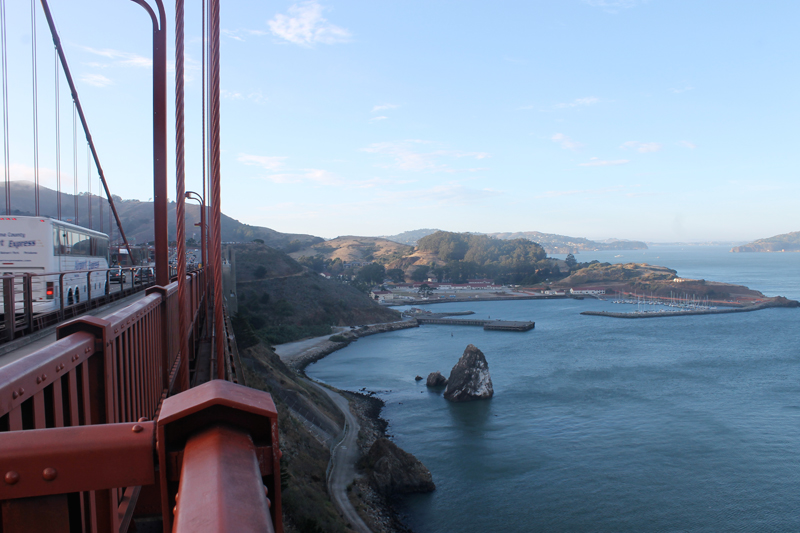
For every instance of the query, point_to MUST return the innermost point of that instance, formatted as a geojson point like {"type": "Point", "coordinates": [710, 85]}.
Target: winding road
{"type": "Point", "coordinates": [343, 459]}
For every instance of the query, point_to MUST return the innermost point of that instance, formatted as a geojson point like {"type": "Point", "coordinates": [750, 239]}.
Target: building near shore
{"type": "Point", "coordinates": [587, 290]}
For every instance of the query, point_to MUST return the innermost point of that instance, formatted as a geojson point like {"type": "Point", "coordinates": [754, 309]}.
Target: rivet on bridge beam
{"type": "Point", "coordinates": [49, 473]}
{"type": "Point", "coordinates": [11, 477]}
{"type": "Point", "coordinates": [137, 428]}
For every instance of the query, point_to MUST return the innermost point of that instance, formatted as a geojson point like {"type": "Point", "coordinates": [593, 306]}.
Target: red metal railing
{"type": "Point", "coordinates": [100, 371]}
{"type": "Point", "coordinates": [18, 307]}
{"type": "Point", "coordinates": [76, 447]}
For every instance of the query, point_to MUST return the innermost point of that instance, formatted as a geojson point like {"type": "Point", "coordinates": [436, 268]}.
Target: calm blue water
{"type": "Point", "coordinates": [604, 425]}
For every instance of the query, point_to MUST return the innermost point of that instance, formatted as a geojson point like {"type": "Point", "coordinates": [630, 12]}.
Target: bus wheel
{"type": "Point", "coordinates": [70, 299]}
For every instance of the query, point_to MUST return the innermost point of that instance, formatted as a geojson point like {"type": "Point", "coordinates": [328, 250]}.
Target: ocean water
{"type": "Point", "coordinates": [601, 424]}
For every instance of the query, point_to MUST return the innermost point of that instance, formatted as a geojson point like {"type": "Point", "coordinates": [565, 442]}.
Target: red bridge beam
{"type": "Point", "coordinates": [221, 487]}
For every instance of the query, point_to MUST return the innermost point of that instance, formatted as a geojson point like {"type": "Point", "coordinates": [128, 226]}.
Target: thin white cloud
{"type": "Point", "coordinates": [565, 142]}
{"type": "Point", "coordinates": [373, 119]}
{"type": "Point", "coordinates": [578, 102]}
{"type": "Point", "coordinates": [242, 34]}
{"type": "Point", "coordinates": [254, 96]}
{"type": "Point", "coordinates": [97, 80]}
{"type": "Point", "coordinates": [641, 147]}
{"type": "Point", "coordinates": [306, 26]}
{"type": "Point", "coordinates": [121, 58]}
{"type": "Point", "coordinates": [407, 157]}
{"type": "Point", "coordinates": [581, 192]}
{"type": "Point", "coordinates": [612, 6]}
{"type": "Point", "coordinates": [687, 144]}
{"type": "Point", "coordinates": [597, 162]}
{"type": "Point", "coordinates": [681, 90]}
{"type": "Point", "coordinates": [264, 161]}
{"type": "Point", "coordinates": [308, 175]}
{"type": "Point", "coordinates": [383, 107]}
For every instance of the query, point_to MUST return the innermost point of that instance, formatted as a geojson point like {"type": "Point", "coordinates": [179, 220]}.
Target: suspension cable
{"type": "Point", "coordinates": [7, 166]}
{"type": "Point", "coordinates": [75, 160]}
{"type": "Point", "coordinates": [35, 76]}
{"type": "Point", "coordinates": [58, 146]}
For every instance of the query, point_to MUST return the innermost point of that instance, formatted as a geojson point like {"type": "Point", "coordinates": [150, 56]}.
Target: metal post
{"type": "Point", "coordinates": [159, 139]}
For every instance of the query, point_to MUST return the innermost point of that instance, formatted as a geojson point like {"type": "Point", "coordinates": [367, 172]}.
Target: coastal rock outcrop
{"type": "Point", "coordinates": [418, 378]}
{"type": "Point", "coordinates": [436, 379]}
{"type": "Point", "coordinates": [469, 379]}
{"type": "Point", "coordinates": [395, 471]}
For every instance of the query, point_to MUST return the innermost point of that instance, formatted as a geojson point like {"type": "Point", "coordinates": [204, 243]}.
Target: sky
{"type": "Point", "coordinates": [655, 120]}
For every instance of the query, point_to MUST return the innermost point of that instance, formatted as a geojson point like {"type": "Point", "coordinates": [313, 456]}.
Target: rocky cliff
{"type": "Point", "coordinates": [395, 471]}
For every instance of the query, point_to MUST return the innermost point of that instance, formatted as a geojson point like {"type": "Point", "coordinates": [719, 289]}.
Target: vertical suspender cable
{"type": "Point", "coordinates": [180, 198]}
{"type": "Point", "coordinates": [203, 128]}
{"type": "Point", "coordinates": [58, 146]}
{"type": "Point", "coordinates": [214, 133]}
{"type": "Point", "coordinates": [100, 205]}
{"type": "Point", "coordinates": [75, 161]}
{"type": "Point", "coordinates": [7, 166]}
{"type": "Point", "coordinates": [35, 80]}
{"type": "Point", "coordinates": [89, 181]}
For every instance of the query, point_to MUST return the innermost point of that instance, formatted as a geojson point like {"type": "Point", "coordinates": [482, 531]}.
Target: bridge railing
{"type": "Point", "coordinates": [24, 311]}
{"type": "Point", "coordinates": [101, 371]}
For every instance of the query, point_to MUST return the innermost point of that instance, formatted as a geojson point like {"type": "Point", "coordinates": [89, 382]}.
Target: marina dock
{"type": "Point", "coordinates": [488, 325]}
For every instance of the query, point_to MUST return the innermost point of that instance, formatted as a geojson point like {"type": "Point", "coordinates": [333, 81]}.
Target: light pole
{"type": "Point", "coordinates": [159, 138]}
{"type": "Point", "coordinates": [191, 195]}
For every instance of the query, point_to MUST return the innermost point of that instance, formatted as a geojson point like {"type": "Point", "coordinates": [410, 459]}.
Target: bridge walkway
{"type": "Point", "coordinates": [19, 348]}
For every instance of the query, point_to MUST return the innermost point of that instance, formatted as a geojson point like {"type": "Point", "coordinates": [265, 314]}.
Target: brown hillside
{"type": "Point", "coordinates": [350, 248]}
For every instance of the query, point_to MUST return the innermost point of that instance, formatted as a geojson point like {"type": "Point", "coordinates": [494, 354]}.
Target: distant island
{"type": "Point", "coordinates": [551, 242]}
{"type": "Point", "coordinates": [786, 242]}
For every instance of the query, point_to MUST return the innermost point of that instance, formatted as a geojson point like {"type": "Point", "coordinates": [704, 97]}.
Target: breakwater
{"type": "Point", "coordinates": [488, 325]}
{"type": "Point", "coordinates": [683, 312]}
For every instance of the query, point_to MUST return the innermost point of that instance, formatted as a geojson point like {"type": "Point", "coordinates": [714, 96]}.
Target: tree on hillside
{"type": "Point", "coordinates": [396, 274]}
{"type": "Point", "coordinates": [420, 273]}
{"type": "Point", "coordinates": [373, 273]}
{"type": "Point", "coordinates": [570, 261]}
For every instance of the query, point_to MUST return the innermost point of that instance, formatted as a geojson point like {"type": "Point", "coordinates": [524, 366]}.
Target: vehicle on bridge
{"type": "Point", "coordinates": [42, 245]}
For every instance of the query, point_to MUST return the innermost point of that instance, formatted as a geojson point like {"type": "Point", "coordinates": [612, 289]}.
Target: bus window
{"type": "Point", "coordinates": [80, 244]}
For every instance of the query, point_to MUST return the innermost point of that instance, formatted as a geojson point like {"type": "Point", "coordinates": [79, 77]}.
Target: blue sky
{"type": "Point", "coordinates": [656, 120]}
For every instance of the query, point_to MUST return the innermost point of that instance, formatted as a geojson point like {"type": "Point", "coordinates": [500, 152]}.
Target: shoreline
{"type": "Point", "coordinates": [379, 512]}
{"type": "Point", "coordinates": [299, 361]}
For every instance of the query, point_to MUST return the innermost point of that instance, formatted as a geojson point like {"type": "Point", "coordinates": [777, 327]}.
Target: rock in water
{"type": "Point", "coordinates": [469, 379]}
{"type": "Point", "coordinates": [395, 471]}
{"type": "Point", "coordinates": [436, 379]}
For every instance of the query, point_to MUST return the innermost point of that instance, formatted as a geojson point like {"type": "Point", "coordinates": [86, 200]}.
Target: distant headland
{"type": "Point", "coordinates": [786, 242]}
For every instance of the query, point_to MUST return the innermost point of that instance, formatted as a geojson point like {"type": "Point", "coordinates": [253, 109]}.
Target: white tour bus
{"type": "Point", "coordinates": [39, 245]}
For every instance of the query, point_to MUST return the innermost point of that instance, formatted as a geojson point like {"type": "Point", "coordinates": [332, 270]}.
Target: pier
{"type": "Point", "coordinates": [488, 325]}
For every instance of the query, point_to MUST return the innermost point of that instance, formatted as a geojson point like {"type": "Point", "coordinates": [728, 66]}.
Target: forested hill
{"type": "Point", "coordinates": [787, 242]}
{"type": "Point", "coordinates": [563, 244]}
{"type": "Point", "coordinates": [552, 243]}
{"type": "Point", "coordinates": [461, 256]}
{"type": "Point", "coordinates": [480, 249]}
